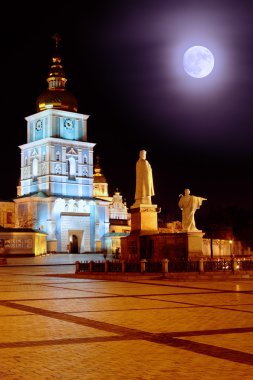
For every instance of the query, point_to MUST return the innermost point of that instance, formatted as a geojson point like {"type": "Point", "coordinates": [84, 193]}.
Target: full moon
{"type": "Point", "coordinates": [198, 61]}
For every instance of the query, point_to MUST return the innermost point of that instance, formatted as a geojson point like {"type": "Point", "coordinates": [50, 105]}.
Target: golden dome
{"type": "Point", "coordinates": [56, 96]}
{"type": "Point", "coordinates": [98, 177]}
{"type": "Point", "coordinates": [57, 99]}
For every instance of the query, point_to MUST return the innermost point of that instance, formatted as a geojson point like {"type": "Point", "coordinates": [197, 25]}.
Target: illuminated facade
{"type": "Point", "coordinates": [55, 192]}
{"type": "Point", "coordinates": [7, 214]}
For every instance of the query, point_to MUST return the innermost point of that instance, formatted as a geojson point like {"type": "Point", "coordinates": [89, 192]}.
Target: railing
{"type": "Point", "coordinates": [246, 265]}
{"type": "Point", "coordinates": [218, 265]}
{"type": "Point", "coordinates": [154, 266]}
{"type": "Point", "coordinates": [84, 267]}
{"type": "Point", "coordinates": [132, 267]}
{"type": "Point", "coordinates": [97, 266]}
{"type": "Point", "coordinates": [120, 266]}
{"type": "Point", "coordinates": [183, 266]}
{"type": "Point", "coordinates": [114, 266]}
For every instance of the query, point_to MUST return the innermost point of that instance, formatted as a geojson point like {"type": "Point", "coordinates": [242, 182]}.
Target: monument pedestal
{"type": "Point", "coordinates": [194, 244]}
{"type": "Point", "coordinates": [143, 224]}
{"type": "Point", "coordinates": [144, 219]}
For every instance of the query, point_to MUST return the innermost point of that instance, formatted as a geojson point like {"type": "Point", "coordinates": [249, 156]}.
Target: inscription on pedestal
{"type": "Point", "coordinates": [148, 209]}
{"type": "Point", "coordinates": [132, 247]}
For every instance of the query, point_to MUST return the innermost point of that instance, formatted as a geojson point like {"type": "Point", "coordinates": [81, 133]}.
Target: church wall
{"type": "Point", "coordinates": [64, 213]}
{"type": "Point", "coordinates": [45, 165]}
{"type": "Point", "coordinates": [102, 223]}
{"type": "Point", "coordinates": [42, 215]}
{"type": "Point", "coordinates": [7, 214]}
{"type": "Point", "coordinates": [31, 212]}
{"type": "Point", "coordinates": [52, 121]}
{"type": "Point", "coordinates": [93, 226]}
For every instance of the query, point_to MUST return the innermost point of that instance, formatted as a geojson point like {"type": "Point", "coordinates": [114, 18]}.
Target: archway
{"type": "Point", "coordinates": [74, 244]}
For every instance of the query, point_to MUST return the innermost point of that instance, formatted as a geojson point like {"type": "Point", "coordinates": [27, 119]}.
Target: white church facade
{"type": "Point", "coordinates": [59, 192]}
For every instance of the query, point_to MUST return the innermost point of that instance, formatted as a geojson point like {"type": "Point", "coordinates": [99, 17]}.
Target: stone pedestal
{"type": "Point", "coordinates": [194, 244]}
{"type": "Point", "coordinates": [130, 247]}
{"type": "Point", "coordinates": [144, 219]}
{"type": "Point", "coordinates": [158, 246]}
{"type": "Point", "coordinates": [143, 224]}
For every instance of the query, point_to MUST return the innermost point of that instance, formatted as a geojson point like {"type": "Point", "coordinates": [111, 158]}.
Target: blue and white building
{"type": "Point", "coordinates": [56, 192]}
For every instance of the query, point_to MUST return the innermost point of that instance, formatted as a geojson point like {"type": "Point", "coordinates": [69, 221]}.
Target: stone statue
{"type": "Point", "coordinates": [144, 180]}
{"type": "Point", "coordinates": [189, 204]}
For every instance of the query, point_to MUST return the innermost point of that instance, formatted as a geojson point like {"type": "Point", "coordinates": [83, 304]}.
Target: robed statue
{"type": "Point", "coordinates": [144, 189]}
{"type": "Point", "coordinates": [189, 204]}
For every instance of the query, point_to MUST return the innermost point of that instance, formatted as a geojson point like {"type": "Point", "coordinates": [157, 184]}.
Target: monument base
{"type": "Point", "coordinates": [194, 240]}
{"type": "Point", "coordinates": [144, 224]}
{"type": "Point", "coordinates": [158, 246]}
{"type": "Point", "coordinates": [130, 248]}
{"type": "Point", "coordinates": [144, 219]}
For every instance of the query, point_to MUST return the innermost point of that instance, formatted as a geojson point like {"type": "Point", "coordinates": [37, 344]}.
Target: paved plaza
{"type": "Point", "coordinates": [71, 328]}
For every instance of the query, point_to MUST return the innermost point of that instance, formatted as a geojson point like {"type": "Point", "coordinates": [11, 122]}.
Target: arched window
{"type": "Point", "coordinates": [35, 169]}
{"type": "Point", "coordinates": [85, 159]}
{"type": "Point", "coordinates": [75, 207]}
{"type": "Point", "coordinates": [72, 168]}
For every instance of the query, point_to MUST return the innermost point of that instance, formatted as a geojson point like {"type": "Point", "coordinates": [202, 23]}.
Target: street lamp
{"type": "Point", "coordinates": [231, 247]}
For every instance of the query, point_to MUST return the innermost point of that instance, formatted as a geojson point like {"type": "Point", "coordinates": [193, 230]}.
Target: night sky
{"type": "Point", "coordinates": [123, 61]}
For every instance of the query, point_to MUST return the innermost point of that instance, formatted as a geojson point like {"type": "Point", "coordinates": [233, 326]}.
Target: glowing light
{"type": "Point", "coordinates": [198, 61]}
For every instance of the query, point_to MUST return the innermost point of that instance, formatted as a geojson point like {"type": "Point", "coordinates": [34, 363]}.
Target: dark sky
{"type": "Point", "coordinates": [123, 61]}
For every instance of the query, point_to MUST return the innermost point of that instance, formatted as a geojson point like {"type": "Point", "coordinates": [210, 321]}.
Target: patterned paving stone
{"type": "Point", "coordinates": [72, 328]}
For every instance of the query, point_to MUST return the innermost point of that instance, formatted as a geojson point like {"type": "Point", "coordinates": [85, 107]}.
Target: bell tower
{"type": "Point", "coordinates": [55, 191]}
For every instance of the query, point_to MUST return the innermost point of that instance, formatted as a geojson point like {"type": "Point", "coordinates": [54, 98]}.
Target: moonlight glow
{"type": "Point", "coordinates": [198, 61]}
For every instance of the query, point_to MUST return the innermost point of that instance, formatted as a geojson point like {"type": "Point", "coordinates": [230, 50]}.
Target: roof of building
{"type": "Point", "coordinates": [98, 176]}
{"type": "Point", "coordinates": [109, 234]}
{"type": "Point", "coordinates": [56, 95]}
{"type": "Point", "coordinates": [13, 229]}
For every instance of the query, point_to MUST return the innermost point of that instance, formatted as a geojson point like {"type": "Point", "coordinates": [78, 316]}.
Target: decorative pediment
{"type": "Point", "coordinates": [34, 153]}
{"type": "Point", "coordinates": [71, 150]}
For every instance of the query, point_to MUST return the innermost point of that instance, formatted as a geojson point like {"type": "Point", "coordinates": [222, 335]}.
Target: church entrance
{"type": "Point", "coordinates": [75, 229]}
{"type": "Point", "coordinates": [73, 245]}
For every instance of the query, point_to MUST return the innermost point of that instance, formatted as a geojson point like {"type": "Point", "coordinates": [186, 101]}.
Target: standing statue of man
{"type": "Point", "coordinates": [144, 180]}
{"type": "Point", "coordinates": [189, 204]}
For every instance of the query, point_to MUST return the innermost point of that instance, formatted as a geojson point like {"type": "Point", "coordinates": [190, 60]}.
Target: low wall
{"type": "Point", "coordinates": [22, 243]}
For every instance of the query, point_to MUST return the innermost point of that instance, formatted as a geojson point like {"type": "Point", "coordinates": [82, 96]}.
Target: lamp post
{"type": "Point", "coordinates": [231, 247]}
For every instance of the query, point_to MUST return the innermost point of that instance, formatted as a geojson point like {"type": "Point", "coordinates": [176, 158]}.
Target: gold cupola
{"type": "Point", "coordinates": [98, 176]}
{"type": "Point", "coordinates": [100, 186]}
{"type": "Point", "coordinates": [56, 96]}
